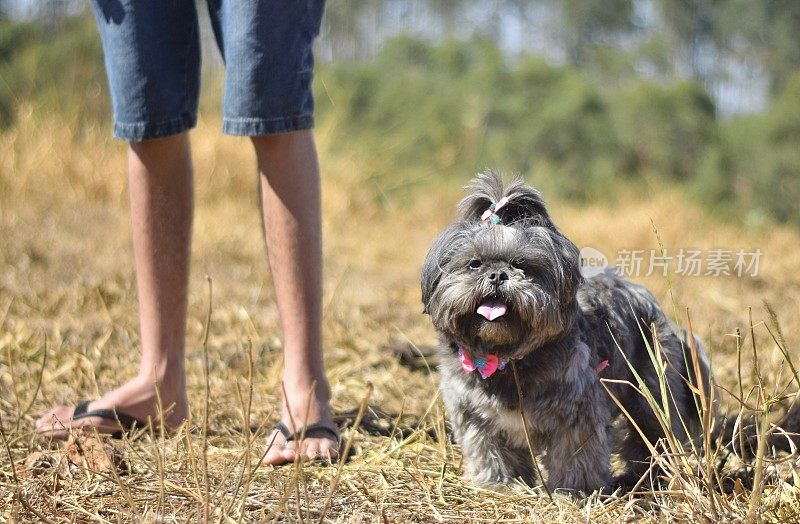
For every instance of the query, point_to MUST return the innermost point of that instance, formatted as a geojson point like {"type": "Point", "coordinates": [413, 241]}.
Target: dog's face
{"type": "Point", "coordinates": [504, 288]}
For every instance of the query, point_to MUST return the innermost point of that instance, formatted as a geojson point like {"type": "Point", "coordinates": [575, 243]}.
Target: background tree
{"type": "Point", "coordinates": [589, 23]}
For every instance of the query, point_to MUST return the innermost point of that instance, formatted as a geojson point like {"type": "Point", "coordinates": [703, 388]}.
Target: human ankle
{"type": "Point", "coordinates": [163, 371]}
{"type": "Point", "coordinates": [170, 383]}
{"type": "Point", "coordinates": [299, 387]}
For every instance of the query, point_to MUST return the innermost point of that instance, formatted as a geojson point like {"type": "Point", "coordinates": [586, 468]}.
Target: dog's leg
{"type": "Point", "coordinates": [579, 460]}
{"type": "Point", "coordinates": [493, 443]}
{"type": "Point", "coordinates": [490, 459]}
{"type": "Point", "coordinates": [578, 454]}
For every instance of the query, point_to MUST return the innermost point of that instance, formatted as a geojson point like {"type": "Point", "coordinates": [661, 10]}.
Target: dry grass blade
{"type": "Point", "coordinates": [706, 413]}
{"type": "Point", "coordinates": [345, 453]}
{"type": "Point", "coordinates": [206, 372]}
{"type": "Point", "coordinates": [525, 426]}
{"type": "Point", "coordinates": [762, 427]}
{"type": "Point", "coordinates": [780, 341]}
{"type": "Point", "coordinates": [38, 387]}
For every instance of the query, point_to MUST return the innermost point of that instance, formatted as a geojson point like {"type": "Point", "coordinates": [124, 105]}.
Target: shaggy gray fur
{"type": "Point", "coordinates": [557, 330]}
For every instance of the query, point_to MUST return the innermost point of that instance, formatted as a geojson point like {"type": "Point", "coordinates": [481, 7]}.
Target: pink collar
{"type": "Point", "coordinates": [486, 365]}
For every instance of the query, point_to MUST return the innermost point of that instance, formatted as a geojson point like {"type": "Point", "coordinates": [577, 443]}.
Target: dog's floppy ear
{"type": "Point", "coordinates": [437, 259]}
{"type": "Point", "coordinates": [521, 204]}
{"type": "Point", "coordinates": [570, 266]}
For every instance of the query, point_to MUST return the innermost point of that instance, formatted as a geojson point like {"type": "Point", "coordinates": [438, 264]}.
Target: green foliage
{"type": "Point", "coordinates": [460, 107]}
{"type": "Point", "coordinates": [588, 22]}
{"type": "Point", "coordinates": [665, 129]}
{"type": "Point", "coordinates": [757, 167]}
{"type": "Point", "coordinates": [765, 30]}
{"type": "Point", "coordinates": [13, 37]}
{"type": "Point", "coordinates": [57, 72]}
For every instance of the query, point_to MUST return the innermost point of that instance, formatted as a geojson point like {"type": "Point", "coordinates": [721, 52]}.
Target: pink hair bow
{"type": "Point", "coordinates": [491, 213]}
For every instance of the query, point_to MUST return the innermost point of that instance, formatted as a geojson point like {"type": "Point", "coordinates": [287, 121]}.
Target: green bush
{"type": "Point", "coordinates": [13, 38]}
{"type": "Point", "coordinates": [57, 71]}
{"type": "Point", "coordinates": [754, 171]}
{"type": "Point", "coordinates": [664, 129]}
{"type": "Point", "coordinates": [460, 107]}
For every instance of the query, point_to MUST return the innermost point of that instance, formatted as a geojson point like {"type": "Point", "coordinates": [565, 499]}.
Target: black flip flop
{"type": "Point", "coordinates": [317, 426]}
{"type": "Point", "coordinates": [126, 422]}
{"type": "Point", "coordinates": [330, 429]}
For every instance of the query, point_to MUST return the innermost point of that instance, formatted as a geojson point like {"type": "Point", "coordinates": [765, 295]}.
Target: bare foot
{"type": "Point", "coordinates": [136, 398]}
{"type": "Point", "coordinates": [318, 443]}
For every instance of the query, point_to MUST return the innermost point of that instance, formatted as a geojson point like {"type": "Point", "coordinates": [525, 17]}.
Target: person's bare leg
{"type": "Point", "coordinates": [290, 196]}
{"type": "Point", "coordinates": [161, 195]}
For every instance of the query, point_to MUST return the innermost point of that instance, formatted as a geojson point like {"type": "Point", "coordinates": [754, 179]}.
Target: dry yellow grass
{"type": "Point", "coordinates": [66, 287]}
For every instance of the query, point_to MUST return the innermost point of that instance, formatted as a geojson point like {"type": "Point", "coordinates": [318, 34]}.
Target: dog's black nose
{"type": "Point", "coordinates": [497, 277]}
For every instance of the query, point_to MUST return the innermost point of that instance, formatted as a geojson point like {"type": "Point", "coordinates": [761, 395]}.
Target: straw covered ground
{"type": "Point", "coordinates": [68, 330]}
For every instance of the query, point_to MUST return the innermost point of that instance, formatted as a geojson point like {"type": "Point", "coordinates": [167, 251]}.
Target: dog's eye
{"type": "Point", "coordinates": [474, 264]}
{"type": "Point", "coordinates": [518, 265]}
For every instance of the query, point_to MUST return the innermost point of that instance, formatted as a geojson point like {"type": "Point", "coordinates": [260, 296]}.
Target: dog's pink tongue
{"type": "Point", "coordinates": [492, 309]}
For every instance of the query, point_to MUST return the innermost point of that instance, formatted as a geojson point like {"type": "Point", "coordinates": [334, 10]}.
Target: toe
{"type": "Point", "coordinates": [312, 450]}
{"type": "Point", "coordinates": [329, 450]}
{"type": "Point", "coordinates": [320, 447]}
{"type": "Point", "coordinates": [275, 457]}
{"type": "Point", "coordinates": [275, 450]}
{"type": "Point", "coordinates": [57, 420]}
{"type": "Point", "coordinates": [290, 454]}
{"type": "Point", "coordinates": [44, 422]}
{"type": "Point", "coordinates": [280, 451]}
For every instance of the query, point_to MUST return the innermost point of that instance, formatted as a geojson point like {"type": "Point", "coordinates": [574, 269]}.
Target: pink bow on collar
{"type": "Point", "coordinates": [486, 365]}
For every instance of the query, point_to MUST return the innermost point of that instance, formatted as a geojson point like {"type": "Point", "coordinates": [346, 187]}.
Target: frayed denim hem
{"type": "Point", "coordinates": [139, 131]}
{"type": "Point", "coordinates": [266, 126]}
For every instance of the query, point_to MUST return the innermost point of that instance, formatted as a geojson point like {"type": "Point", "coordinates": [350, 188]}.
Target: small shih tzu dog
{"type": "Point", "coordinates": [523, 333]}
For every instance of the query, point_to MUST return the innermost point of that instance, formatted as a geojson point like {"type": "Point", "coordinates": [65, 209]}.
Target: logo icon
{"type": "Point", "coordinates": [593, 262]}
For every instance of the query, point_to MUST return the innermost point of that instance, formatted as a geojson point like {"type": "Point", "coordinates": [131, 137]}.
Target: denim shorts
{"type": "Point", "coordinates": [152, 57]}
